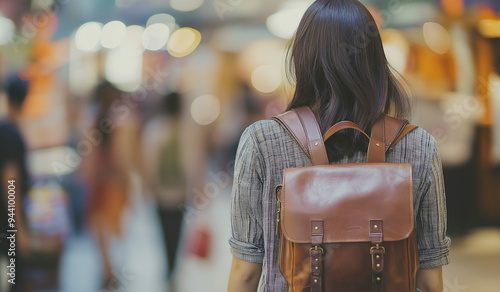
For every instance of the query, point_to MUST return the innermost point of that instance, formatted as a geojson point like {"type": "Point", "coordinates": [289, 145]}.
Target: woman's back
{"type": "Point", "coordinates": [266, 149]}
{"type": "Point", "coordinates": [338, 64]}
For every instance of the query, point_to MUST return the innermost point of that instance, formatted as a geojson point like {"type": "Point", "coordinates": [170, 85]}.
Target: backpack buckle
{"type": "Point", "coordinates": [317, 248]}
{"type": "Point", "coordinates": [377, 247]}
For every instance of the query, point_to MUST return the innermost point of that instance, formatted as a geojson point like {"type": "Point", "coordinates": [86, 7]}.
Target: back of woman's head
{"type": "Point", "coordinates": [341, 71]}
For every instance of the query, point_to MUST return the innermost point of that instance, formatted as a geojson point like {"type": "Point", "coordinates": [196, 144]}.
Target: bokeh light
{"type": "Point", "coordinates": [489, 28]}
{"type": "Point", "coordinates": [437, 37]}
{"type": "Point", "coordinates": [132, 44]}
{"type": "Point", "coordinates": [7, 29]}
{"type": "Point", "coordinates": [163, 18]}
{"type": "Point", "coordinates": [268, 53]}
{"type": "Point", "coordinates": [205, 109]}
{"type": "Point", "coordinates": [123, 69]}
{"type": "Point", "coordinates": [186, 5]}
{"type": "Point", "coordinates": [87, 37]}
{"type": "Point", "coordinates": [284, 23]}
{"type": "Point", "coordinates": [155, 36]}
{"type": "Point", "coordinates": [113, 34]}
{"type": "Point", "coordinates": [396, 48]}
{"type": "Point", "coordinates": [266, 78]}
{"type": "Point", "coordinates": [183, 42]}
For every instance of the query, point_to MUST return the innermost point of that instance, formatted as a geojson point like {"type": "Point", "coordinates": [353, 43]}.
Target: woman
{"type": "Point", "coordinates": [164, 174]}
{"type": "Point", "coordinates": [108, 169]}
{"type": "Point", "coordinates": [341, 73]}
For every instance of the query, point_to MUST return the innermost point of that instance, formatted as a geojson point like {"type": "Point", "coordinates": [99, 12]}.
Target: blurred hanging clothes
{"type": "Point", "coordinates": [495, 97]}
{"type": "Point", "coordinates": [452, 116]}
{"type": "Point", "coordinates": [164, 172]}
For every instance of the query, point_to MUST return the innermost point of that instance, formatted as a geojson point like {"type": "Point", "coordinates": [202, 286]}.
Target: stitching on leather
{"type": "Point", "coordinates": [383, 139]}
{"type": "Point", "coordinates": [298, 140]}
{"type": "Point", "coordinates": [283, 203]}
{"type": "Point", "coordinates": [368, 152]}
{"type": "Point", "coordinates": [307, 137]}
{"type": "Point", "coordinates": [325, 156]}
{"type": "Point", "coordinates": [410, 192]}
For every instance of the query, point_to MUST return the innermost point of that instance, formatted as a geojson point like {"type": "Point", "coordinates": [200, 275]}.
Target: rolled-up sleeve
{"type": "Point", "coordinates": [433, 244]}
{"type": "Point", "coordinates": [247, 240]}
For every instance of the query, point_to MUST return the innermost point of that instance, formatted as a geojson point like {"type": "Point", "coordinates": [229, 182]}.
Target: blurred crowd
{"type": "Point", "coordinates": [109, 106]}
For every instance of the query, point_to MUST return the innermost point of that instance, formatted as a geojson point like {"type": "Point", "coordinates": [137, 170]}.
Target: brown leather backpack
{"type": "Point", "coordinates": [347, 227]}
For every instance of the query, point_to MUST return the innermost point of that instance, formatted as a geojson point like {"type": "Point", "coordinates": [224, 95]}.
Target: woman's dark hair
{"type": "Point", "coordinates": [105, 95]}
{"type": "Point", "coordinates": [340, 71]}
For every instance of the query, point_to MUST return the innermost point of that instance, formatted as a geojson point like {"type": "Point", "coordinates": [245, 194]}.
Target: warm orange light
{"type": "Point", "coordinates": [486, 12]}
{"type": "Point", "coordinates": [489, 28]}
{"type": "Point", "coordinates": [453, 7]}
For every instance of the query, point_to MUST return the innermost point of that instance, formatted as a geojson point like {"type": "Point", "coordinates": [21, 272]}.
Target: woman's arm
{"type": "Point", "coordinates": [433, 244]}
{"type": "Point", "coordinates": [244, 276]}
{"type": "Point", "coordinates": [430, 280]}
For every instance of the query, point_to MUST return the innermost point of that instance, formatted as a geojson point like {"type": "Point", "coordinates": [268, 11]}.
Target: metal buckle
{"type": "Point", "coordinates": [377, 247]}
{"type": "Point", "coordinates": [317, 248]}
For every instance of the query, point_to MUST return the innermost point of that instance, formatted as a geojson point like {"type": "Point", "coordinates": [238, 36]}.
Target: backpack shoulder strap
{"type": "Point", "coordinates": [405, 131]}
{"type": "Point", "coordinates": [290, 120]}
{"type": "Point", "coordinates": [303, 126]}
{"type": "Point", "coordinates": [396, 129]}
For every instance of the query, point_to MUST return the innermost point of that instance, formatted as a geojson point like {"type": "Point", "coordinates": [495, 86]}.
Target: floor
{"type": "Point", "coordinates": [138, 258]}
{"type": "Point", "coordinates": [475, 265]}
{"type": "Point", "coordinates": [139, 264]}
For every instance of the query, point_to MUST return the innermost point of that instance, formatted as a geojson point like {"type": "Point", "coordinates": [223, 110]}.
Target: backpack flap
{"type": "Point", "coordinates": [346, 197]}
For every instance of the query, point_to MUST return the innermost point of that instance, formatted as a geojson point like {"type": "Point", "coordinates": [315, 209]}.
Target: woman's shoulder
{"type": "Point", "coordinates": [263, 130]}
{"type": "Point", "coordinates": [421, 139]}
{"type": "Point", "coordinates": [269, 137]}
{"type": "Point", "coordinates": [417, 148]}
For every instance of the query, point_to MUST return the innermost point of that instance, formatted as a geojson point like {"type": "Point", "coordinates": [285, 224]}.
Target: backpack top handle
{"type": "Point", "coordinates": [376, 148]}
{"type": "Point", "coordinates": [303, 126]}
{"type": "Point", "coordinates": [342, 126]}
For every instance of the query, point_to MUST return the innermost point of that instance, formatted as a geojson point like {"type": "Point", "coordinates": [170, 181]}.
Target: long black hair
{"type": "Point", "coordinates": [340, 71]}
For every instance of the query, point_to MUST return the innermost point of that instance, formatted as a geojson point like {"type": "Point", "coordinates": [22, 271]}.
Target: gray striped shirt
{"type": "Point", "coordinates": [266, 149]}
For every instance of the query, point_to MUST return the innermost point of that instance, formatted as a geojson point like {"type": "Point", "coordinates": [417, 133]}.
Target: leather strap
{"type": "Point", "coordinates": [304, 127]}
{"type": "Point", "coordinates": [377, 251]}
{"type": "Point", "coordinates": [302, 124]}
{"type": "Point", "coordinates": [342, 126]}
{"type": "Point", "coordinates": [407, 129]}
{"type": "Point", "coordinates": [290, 120]}
{"type": "Point", "coordinates": [316, 253]}
{"type": "Point", "coordinates": [315, 142]}
{"type": "Point", "coordinates": [393, 128]}
{"type": "Point", "coordinates": [376, 147]}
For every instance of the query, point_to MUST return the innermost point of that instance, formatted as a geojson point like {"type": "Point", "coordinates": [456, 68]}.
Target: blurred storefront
{"type": "Point", "coordinates": [225, 58]}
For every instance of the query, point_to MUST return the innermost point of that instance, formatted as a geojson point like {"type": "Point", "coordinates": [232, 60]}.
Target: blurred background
{"type": "Point", "coordinates": [130, 113]}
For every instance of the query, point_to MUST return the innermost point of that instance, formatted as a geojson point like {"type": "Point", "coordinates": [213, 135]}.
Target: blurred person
{"type": "Point", "coordinates": [109, 167]}
{"type": "Point", "coordinates": [344, 75]}
{"type": "Point", "coordinates": [164, 173]}
{"type": "Point", "coordinates": [13, 167]}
